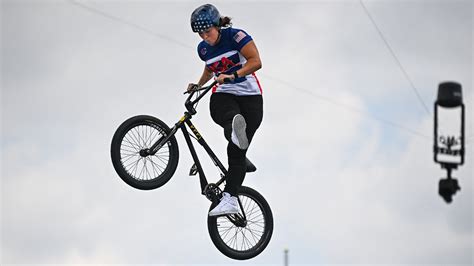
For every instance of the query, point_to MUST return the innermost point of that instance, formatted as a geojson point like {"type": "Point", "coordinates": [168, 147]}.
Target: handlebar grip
{"type": "Point", "coordinates": [205, 88]}
{"type": "Point", "coordinates": [227, 80]}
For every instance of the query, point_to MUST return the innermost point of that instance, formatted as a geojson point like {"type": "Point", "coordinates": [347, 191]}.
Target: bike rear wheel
{"type": "Point", "coordinates": [135, 167]}
{"type": "Point", "coordinates": [239, 238]}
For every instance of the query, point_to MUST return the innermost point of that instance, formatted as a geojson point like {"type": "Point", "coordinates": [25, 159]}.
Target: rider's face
{"type": "Point", "coordinates": [210, 35]}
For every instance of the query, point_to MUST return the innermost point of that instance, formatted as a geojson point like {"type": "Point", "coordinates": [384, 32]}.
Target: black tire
{"type": "Point", "coordinates": [135, 134]}
{"type": "Point", "coordinates": [259, 227]}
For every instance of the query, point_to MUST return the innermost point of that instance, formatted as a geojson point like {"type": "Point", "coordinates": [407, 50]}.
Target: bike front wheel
{"type": "Point", "coordinates": [134, 166]}
{"type": "Point", "coordinates": [243, 238]}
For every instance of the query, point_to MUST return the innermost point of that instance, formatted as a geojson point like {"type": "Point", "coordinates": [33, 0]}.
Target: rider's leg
{"type": "Point", "coordinates": [237, 168]}
{"type": "Point", "coordinates": [252, 109]}
{"type": "Point", "coordinates": [224, 108]}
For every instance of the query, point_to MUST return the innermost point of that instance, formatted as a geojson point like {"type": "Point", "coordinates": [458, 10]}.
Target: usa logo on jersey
{"type": "Point", "coordinates": [239, 36]}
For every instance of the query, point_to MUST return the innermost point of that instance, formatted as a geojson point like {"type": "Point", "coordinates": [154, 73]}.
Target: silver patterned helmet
{"type": "Point", "coordinates": [204, 17]}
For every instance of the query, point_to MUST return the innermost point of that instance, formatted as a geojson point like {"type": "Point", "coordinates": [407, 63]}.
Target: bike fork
{"type": "Point", "coordinates": [158, 144]}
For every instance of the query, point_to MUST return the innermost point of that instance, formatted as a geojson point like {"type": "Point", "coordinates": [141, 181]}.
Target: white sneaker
{"type": "Point", "coordinates": [228, 205]}
{"type": "Point", "coordinates": [239, 133]}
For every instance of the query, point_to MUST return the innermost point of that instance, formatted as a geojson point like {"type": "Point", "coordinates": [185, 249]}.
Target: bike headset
{"type": "Point", "coordinates": [205, 17]}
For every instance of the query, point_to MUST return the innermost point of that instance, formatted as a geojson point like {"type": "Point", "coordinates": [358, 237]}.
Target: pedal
{"type": "Point", "coordinates": [193, 171]}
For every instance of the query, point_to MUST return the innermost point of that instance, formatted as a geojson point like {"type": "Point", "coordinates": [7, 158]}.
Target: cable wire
{"type": "Point", "coordinates": [349, 107]}
{"type": "Point", "coordinates": [395, 57]}
{"type": "Point", "coordinates": [131, 24]}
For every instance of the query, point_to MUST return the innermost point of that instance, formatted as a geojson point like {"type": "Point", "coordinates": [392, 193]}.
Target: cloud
{"type": "Point", "coordinates": [344, 187]}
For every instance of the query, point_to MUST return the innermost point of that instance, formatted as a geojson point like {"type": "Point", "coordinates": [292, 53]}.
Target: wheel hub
{"type": "Point", "coordinates": [238, 220]}
{"type": "Point", "coordinates": [144, 152]}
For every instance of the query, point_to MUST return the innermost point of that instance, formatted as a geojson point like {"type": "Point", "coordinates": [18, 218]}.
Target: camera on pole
{"type": "Point", "coordinates": [449, 135]}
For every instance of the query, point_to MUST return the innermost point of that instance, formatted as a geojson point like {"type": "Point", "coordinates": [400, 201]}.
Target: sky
{"type": "Point", "coordinates": [344, 153]}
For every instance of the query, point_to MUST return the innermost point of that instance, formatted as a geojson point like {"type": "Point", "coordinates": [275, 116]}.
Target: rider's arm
{"type": "Point", "coordinates": [250, 52]}
{"type": "Point", "coordinates": [205, 77]}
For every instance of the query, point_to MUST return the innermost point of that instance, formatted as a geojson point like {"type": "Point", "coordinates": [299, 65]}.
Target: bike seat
{"type": "Point", "coordinates": [250, 166]}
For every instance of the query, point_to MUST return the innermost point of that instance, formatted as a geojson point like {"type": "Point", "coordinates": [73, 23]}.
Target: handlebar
{"type": "Point", "coordinates": [190, 104]}
{"type": "Point", "coordinates": [226, 80]}
{"type": "Point", "coordinates": [207, 87]}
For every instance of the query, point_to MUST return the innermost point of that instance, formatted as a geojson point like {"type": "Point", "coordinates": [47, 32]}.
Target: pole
{"type": "Point", "coordinates": [286, 257]}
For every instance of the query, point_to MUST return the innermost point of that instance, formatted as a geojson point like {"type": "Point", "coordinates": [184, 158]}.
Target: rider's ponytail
{"type": "Point", "coordinates": [225, 22]}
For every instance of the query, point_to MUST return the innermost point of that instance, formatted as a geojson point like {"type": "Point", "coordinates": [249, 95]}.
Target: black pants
{"type": "Point", "coordinates": [224, 107]}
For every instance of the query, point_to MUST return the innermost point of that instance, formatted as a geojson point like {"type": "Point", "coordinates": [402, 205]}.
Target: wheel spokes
{"type": "Point", "coordinates": [139, 138]}
{"type": "Point", "coordinates": [243, 238]}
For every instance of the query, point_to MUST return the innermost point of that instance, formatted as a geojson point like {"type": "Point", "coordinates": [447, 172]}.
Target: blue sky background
{"type": "Point", "coordinates": [344, 154]}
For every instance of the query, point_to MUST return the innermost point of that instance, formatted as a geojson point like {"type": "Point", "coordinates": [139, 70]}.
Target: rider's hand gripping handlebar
{"type": "Point", "coordinates": [189, 104]}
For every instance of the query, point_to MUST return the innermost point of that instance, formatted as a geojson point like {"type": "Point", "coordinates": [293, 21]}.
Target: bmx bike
{"type": "Point", "coordinates": [145, 155]}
